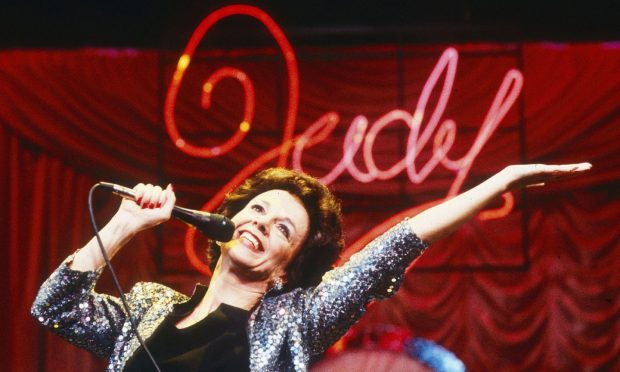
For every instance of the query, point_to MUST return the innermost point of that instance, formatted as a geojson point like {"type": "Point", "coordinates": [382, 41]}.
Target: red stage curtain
{"type": "Point", "coordinates": [537, 289]}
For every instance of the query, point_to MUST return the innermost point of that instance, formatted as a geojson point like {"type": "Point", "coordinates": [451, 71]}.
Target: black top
{"type": "Point", "coordinates": [218, 342]}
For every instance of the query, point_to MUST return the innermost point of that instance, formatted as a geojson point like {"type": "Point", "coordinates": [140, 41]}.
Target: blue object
{"type": "Point", "coordinates": [432, 355]}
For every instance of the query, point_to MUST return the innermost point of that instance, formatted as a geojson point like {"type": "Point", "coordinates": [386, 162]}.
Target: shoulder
{"type": "Point", "coordinates": [283, 303]}
{"type": "Point", "coordinates": [150, 293]}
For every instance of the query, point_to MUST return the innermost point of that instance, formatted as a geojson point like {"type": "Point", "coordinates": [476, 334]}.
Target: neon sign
{"type": "Point", "coordinates": [435, 131]}
{"type": "Point", "coordinates": [244, 126]}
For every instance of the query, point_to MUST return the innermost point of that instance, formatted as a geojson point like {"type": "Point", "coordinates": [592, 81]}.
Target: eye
{"type": "Point", "coordinates": [284, 230]}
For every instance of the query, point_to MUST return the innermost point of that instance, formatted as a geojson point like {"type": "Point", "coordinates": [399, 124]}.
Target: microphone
{"type": "Point", "coordinates": [214, 226]}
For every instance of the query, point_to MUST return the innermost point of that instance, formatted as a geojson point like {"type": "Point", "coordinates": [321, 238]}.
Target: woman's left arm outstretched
{"type": "Point", "coordinates": [376, 271]}
{"type": "Point", "coordinates": [443, 219]}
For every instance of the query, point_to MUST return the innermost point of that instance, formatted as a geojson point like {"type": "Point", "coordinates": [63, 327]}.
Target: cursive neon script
{"type": "Point", "coordinates": [427, 127]}
{"type": "Point", "coordinates": [362, 135]}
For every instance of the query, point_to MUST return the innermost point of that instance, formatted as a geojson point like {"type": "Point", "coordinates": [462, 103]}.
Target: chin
{"type": "Point", "coordinates": [242, 257]}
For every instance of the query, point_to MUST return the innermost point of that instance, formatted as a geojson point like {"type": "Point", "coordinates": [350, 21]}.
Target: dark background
{"type": "Point", "coordinates": [168, 24]}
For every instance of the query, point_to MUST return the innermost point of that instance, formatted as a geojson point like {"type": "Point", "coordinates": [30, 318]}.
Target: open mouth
{"type": "Point", "coordinates": [251, 241]}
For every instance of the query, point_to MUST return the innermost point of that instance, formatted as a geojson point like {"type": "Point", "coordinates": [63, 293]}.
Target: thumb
{"type": "Point", "coordinates": [170, 198]}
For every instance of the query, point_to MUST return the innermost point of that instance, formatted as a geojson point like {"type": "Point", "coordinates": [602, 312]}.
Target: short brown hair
{"type": "Point", "coordinates": [324, 241]}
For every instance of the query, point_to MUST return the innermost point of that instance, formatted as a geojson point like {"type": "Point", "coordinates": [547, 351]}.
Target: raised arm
{"type": "Point", "coordinates": [376, 271]}
{"type": "Point", "coordinates": [67, 302]}
{"type": "Point", "coordinates": [152, 207]}
{"type": "Point", "coordinates": [441, 220]}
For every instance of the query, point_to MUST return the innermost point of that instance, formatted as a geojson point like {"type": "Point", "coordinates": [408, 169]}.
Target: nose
{"type": "Point", "coordinates": [261, 224]}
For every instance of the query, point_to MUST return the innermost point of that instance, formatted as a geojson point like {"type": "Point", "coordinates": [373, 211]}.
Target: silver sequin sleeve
{"type": "Point", "coordinates": [68, 305]}
{"type": "Point", "coordinates": [373, 273]}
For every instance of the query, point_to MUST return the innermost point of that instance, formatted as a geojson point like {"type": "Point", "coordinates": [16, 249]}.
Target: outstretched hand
{"type": "Point", "coordinates": [442, 219]}
{"type": "Point", "coordinates": [527, 175]}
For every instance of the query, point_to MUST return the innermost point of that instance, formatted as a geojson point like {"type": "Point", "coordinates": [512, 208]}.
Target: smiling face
{"type": "Point", "coordinates": [269, 232]}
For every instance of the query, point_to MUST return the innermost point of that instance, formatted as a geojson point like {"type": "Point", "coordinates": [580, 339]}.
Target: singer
{"type": "Point", "coordinates": [274, 302]}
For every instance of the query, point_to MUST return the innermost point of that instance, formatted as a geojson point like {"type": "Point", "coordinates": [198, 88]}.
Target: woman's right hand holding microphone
{"type": "Point", "coordinates": [152, 206]}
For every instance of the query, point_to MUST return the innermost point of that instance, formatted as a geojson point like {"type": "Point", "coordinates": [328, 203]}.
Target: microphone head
{"type": "Point", "coordinates": [219, 228]}
{"type": "Point", "coordinates": [214, 226]}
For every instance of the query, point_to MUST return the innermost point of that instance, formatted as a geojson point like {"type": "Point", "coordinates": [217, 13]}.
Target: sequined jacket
{"type": "Point", "coordinates": [285, 331]}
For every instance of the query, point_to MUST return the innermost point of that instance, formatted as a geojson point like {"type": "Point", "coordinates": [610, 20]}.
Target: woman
{"type": "Point", "coordinates": [266, 306]}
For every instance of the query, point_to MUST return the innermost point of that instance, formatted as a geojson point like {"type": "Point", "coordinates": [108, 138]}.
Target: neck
{"type": "Point", "coordinates": [228, 287]}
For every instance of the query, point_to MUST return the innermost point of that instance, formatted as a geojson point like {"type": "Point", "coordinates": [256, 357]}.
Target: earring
{"type": "Point", "coordinates": [277, 284]}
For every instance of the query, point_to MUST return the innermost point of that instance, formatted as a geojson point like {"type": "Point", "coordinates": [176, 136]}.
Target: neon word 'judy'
{"type": "Point", "coordinates": [424, 125]}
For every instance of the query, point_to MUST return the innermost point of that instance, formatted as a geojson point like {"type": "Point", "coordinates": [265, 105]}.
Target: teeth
{"type": "Point", "coordinates": [251, 239]}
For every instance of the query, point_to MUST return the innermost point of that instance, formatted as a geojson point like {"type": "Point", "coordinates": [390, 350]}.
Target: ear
{"type": "Point", "coordinates": [278, 272]}
{"type": "Point", "coordinates": [278, 282]}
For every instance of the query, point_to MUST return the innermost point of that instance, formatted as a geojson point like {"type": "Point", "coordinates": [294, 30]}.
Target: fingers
{"type": "Point", "coordinates": [534, 175]}
{"type": "Point", "coordinates": [139, 192]}
{"type": "Point", "coordinates": [560, 169]}
{"type": "Point", "coordinates": [156, 194]}
{"type": "Point", "coordinates": [571, 167]}
{"type": "Point", "coordinates": [567, 169]}
{"type": "Point", "coordinates": [582, 167]}
{"type": "Point", "coordinates": [147, 197]}
{"type": "Point", "coordinates": [162, 198]}
{"type": "Point", "coordinates": [151, 196]}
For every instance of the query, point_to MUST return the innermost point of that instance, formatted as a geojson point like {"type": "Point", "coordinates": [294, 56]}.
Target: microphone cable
{"type": "Point", "coordinates": [114, 277]}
